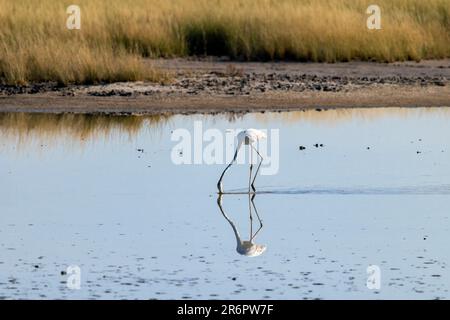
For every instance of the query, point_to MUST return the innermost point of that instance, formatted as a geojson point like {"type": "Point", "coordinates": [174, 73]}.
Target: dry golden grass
{"type": "Point", "coordinates": [116, 35]}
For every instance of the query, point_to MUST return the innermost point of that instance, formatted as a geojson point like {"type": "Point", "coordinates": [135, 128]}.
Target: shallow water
{"type": "Point", "coordinates": [76, 191]}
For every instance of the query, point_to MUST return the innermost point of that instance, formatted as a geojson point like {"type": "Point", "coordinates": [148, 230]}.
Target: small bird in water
{"type": "Point", "coordinates": [247, 137]}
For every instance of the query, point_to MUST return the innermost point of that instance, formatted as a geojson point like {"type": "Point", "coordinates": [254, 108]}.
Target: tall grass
{"type": "Point", "coordinates": [116, 35]}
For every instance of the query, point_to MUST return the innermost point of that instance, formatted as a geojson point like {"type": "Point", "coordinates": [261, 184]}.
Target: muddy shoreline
{"type": "Point", "coordinates": [215, 86]}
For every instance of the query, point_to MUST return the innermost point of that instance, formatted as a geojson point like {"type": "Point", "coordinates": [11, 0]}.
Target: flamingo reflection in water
{"type": "Point", "coordinates": [246, 247]}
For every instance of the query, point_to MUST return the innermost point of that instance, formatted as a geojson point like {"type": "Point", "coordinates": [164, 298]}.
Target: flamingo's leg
{"type": "Point", "coordinates": [257, 169]}
{"type": "Point", "coordinates": [251, 169]}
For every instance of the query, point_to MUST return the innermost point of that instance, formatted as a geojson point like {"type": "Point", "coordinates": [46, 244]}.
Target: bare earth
{"type": "Point", "coordinates": [213, 86]}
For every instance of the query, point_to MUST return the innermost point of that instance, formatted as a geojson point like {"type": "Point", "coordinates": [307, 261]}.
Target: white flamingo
{"type": "Point", "coordinates": [245, 247]}
{"type": "Point", "coordinates": [247, 137]}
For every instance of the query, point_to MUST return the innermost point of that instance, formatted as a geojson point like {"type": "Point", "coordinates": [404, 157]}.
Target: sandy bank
{"type": "Point", "coordinates": [212, 86]}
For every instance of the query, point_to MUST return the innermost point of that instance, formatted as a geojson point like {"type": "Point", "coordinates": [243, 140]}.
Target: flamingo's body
{"type": "Point", "coordinates": [250, 136]}
{"type": "Point", "coordinates": [247, 137]}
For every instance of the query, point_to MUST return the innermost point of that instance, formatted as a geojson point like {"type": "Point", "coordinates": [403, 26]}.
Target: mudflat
{"type": "Point", "coordinates": [217, 85]}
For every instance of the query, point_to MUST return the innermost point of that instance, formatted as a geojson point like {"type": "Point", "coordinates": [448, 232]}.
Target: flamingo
{"type": "Point", "coordinates": [247, 137]}
{"type": "Point", "coordinates": [245, 247]}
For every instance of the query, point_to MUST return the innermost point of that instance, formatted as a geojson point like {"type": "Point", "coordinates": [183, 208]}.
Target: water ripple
{"type": "Point", "coordinates": [441, 189]}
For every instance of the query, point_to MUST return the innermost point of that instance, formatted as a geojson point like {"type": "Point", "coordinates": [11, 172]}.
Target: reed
{"type": "Point", "coordinates": [117, 35]}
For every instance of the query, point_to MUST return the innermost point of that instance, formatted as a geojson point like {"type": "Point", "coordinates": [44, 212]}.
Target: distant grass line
{"type": "Point", "coordinates": [116, 35]}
